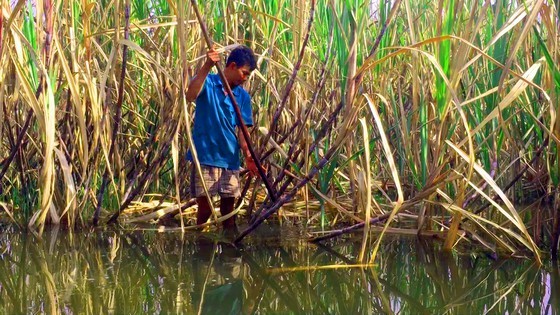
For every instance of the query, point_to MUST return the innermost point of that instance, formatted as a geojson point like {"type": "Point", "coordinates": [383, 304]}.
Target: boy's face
{"type": "Point", "coordinates": [238, 75]}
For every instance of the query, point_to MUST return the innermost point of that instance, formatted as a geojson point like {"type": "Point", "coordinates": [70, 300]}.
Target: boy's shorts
{"type": "Point", "coordinates": [218, 181]}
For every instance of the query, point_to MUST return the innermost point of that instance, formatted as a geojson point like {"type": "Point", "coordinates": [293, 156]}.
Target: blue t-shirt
{"type": "Point", "coordinates": [214, 133]}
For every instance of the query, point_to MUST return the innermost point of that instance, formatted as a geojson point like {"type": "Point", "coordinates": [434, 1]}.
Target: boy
{"type": "Point", "coordinates": [214, 131]}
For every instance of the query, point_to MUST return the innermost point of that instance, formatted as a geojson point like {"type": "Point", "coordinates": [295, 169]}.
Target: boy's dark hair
{"type": "Point", "coordinates": [242, 56]}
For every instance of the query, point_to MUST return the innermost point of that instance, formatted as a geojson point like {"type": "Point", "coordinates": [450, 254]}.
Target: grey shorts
{"type": "Point", "coordinates": [218, 181]}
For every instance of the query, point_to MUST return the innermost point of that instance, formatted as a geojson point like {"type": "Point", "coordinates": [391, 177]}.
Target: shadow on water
{"type": "Point", "coordinates": [137, 272]}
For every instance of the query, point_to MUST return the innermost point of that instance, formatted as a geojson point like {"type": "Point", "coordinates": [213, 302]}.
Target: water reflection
{"type": "Point", "coordinates": [162, 273]}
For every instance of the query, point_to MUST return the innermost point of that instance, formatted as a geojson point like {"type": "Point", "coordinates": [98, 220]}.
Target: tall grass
{"type": "Point", "coordinates": [466, 93]}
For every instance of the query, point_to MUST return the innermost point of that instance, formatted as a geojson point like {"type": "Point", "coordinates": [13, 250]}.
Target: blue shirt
{"type": "Point", "coordinates": [214, 133]}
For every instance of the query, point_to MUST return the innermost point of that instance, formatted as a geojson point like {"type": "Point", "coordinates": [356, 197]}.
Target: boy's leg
{"type": "Point", "coordinates": [226, 207]}
{"type": "Point", "coordinates": [204, 210]}
{"type": "Point", "coordinates": [229, 190]}
{"type": "Point", "coordinates": [210, 176]}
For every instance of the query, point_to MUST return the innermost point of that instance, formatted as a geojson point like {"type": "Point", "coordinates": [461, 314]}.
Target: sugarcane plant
{"type": "Point", "coordinates": [430, 117]}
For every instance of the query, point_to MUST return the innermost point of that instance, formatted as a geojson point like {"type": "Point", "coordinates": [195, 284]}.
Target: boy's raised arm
{"type": "Point", "coordinates": [195, 86]}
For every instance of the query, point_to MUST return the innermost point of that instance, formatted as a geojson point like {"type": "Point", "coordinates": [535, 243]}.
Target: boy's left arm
{"type": "Point", "coordinates": [249, 162]}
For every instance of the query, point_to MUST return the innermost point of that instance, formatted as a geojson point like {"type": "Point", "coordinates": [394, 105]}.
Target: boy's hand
{"type": "Point", "coordinates": [212, 57]}
{"type": "Point", "coordinates": [251, 166]}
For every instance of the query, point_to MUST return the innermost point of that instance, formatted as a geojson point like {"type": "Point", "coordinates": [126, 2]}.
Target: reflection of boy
{"type": "Point", "coordinates": [223, 292]}
{"type": "Point", "coordinates": [214, 131]}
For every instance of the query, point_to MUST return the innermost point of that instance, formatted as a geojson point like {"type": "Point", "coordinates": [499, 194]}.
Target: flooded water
{"type": "Point", "coordinates": [146, 272]}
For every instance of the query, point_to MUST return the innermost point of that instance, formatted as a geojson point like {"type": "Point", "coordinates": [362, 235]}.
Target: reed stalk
{"type": "Point", "coordinates": [117, 116]}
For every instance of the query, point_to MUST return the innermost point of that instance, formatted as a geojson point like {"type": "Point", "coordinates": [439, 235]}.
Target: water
{"type": "Point", "coordinates": [146, 272]}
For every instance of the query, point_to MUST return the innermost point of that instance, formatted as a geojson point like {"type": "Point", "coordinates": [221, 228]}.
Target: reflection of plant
{"type": "Point", "coordinates": [151, 272]}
